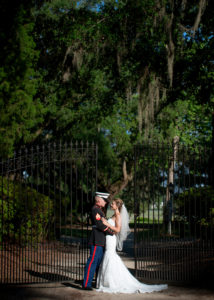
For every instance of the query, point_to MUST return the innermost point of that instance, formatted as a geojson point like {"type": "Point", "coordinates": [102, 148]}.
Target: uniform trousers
{"type": "Point", "coordinates": [92, 265]}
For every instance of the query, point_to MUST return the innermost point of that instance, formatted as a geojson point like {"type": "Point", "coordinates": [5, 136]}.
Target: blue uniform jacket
{"type": "Point", "coordinates": [99, 230]}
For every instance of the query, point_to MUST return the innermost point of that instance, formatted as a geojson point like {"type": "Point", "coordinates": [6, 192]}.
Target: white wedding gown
{"type": "Point", "coordinates": [114, 277]}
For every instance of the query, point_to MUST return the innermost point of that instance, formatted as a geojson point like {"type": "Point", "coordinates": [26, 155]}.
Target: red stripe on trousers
{"type": "Point", "coordinates": [90, 266]}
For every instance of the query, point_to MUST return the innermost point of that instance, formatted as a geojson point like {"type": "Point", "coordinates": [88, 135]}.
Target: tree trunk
{"type": "Point", "coordinates": [119, 185]}
{"type": "Point", "coordinates": [170, 185]}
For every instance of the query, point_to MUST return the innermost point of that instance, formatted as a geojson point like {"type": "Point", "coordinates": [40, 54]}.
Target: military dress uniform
{"type": "Point", "coordinates": [97, 244]}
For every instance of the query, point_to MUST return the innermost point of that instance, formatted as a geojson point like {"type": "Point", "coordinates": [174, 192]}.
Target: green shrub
{"type": "Point", "coordinates": [24, 213]}
{"type": "Point", "coordinates": [195, 207]}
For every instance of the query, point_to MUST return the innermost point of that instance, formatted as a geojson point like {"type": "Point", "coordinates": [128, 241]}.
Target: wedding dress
{"type": "Point", "coordinates": [114, 277]}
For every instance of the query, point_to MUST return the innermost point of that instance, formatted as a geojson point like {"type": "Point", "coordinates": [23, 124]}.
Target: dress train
{"type": "Point", "coordinates": [114, 277]}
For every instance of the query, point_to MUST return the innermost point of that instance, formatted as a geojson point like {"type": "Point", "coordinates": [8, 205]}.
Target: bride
{"type": "Point", "coordinates": [113, 276]}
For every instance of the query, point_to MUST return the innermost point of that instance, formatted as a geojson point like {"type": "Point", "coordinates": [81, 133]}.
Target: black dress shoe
{"type": "Point", "coordinates": [88, 288]}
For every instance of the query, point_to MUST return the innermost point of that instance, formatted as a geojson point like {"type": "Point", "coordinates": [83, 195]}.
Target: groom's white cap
{"type": "Point", "coordinates": [102, 195]}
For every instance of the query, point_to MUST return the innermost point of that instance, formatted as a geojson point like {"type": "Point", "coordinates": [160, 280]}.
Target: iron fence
{"type": "Point", "coordinates": [47, 191]}
{"type": "Point", "coordinates": [174, 213]}
{"type": "Point", "coordinates": [45, 195]}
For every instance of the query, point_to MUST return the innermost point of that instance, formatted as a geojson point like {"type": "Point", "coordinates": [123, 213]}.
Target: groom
{"type": "Point", "coordinates": [97, 239]}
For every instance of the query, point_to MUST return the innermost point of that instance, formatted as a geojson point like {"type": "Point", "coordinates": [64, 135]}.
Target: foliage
{"type": "Point", "coordinates": [196, 208]}
{"type": "Point", "coordinates": [18, 76]}
{"type": "Point", "coordinates": [188, 120]}
{"type": "Point", "coordinates": [25, 213]}
{"type": "Point", "coordinates": [116, 72]}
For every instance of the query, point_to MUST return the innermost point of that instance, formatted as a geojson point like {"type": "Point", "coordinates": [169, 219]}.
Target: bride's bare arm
{"type": "Point", "coordinates": [117, 226]}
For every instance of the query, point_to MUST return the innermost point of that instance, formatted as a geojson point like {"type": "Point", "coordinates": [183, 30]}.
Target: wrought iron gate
{"type": "Point", "coordinates": [174, 213]}
{"type": "Point", "coordinates": [45, 194]}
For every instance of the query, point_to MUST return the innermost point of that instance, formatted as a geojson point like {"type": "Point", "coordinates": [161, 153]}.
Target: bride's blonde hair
{"type": "Point", "coordinates": [119, 203]}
